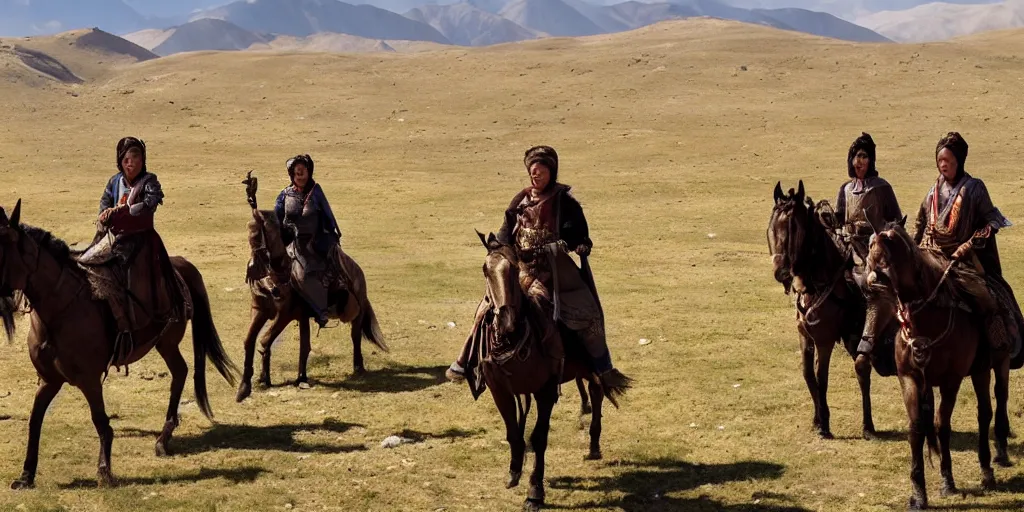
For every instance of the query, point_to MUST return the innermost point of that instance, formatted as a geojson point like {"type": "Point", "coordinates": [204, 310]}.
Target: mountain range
{"type": "Point", "coordinates": [168, 27]}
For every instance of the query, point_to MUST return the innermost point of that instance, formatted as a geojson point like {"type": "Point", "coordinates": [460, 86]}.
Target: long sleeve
{"type": "Point", "coordinates": [152, 196]}
{"type": "Point", "coordinates": [279, 207]}
{"type": "Point", "coordinates": [508, 224]}
{"type": "Point", "coordinates": [891, 211]}
{"type": "Point", "coordinates": [328, 214]}
{"type": "Point", "coordinates": [107, 200]}
{"type": "Point", "coordinates": [922, 220]}
{"type": "Point", "coordinates": [574, 229]}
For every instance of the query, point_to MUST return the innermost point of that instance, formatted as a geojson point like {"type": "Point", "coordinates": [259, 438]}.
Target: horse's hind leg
{"type": "Point", "coordinates": [539, 440]}
{"type": "Point", "coordinates": [357, 344]}
{"type": "Point", "coordinates": [259, 319]}
{"type": "Point", "coordinates": [943, 417]}
{"type": "Point", "coordinates": [585, 408]}
{"type": "Point", "coordinates": [179, 372]}
{"type": "Point", "coordinates": [981, 380]}
{"type": "Point", "coordinates": [44, 396]}
{"type": "Point", "coordinates": [1002, 388]}
{"type": "Point", "coordinates": [304, 350]}
{"type": "Point", "coordinates": [863, 367]}
{"type": "Point", "coordinates": [94, 395]}
{"type": "Point", "coordinates": [597, 397]}
{"type": "Point", "coordinates": [914, 398]}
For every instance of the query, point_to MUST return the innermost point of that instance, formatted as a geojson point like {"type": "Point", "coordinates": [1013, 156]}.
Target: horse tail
{"type": "Point", "coordinates": [370, 327]}
{"type": "Point", "coordinates": [615, 384]}
{"type": "Point", "coordinates": [205, 340]}
{"type": "Point", "coordinates": [926, 418]}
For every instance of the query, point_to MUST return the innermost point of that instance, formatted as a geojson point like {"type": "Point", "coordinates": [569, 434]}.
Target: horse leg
{"type": "Point", "coordinates": [304, 349]}
{"type": "Point", "coordinates": [506, 403]}
{"type": "Point", "coordinates": [44, 396]}
{"type": "Point", "coordinates": [1002, 388]}
{"type": "Point", "coordinates": [943, 416]}
{"type": "Point", "coordinates": [585, 408]}
{"type": "Point", "coordinates": [821, 373]}
{"type": "Point", "coordinates": [357, 344]}
{"type": "Point", "coordinates": [179, 372]}
{"type": "Point", "coordinates": [597, 397]}
{"type": "Point", "coordinates": [863, 367]}
{"type": "Point", "coordinates": [912, 398]}
{"type": "Point", "coordinates": [539, 440]}
{"type": "Point", "coordinates": [807, 351]}
{"type": "Point", "coordinates": [981, 380]}
{"type": "Point", "coordinates": [276, 328]}
{"type": "Point", "coordinates": [259, 319]}
{"type": "Point", "coordinates": [94, 395]}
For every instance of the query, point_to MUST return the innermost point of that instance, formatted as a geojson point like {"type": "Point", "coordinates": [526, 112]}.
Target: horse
{"type": "Point", "coordinates": [71, 336]}
{"type": "Point", "coordinates": [939, 344]}
{"type": "Point", "coordinates": [513, 363]}
{"type": "Point", "coordinates": [829, 310]}
{"type": "Point", "coordinates": [275, 301]}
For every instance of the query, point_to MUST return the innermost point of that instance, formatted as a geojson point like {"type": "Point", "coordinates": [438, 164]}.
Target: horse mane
{"type": "Point", "coordinates": [270, 235]}
{"type": "Point", "coordinates": [928, 265]}
{"type": "Point", "coordinates": [54, 246]}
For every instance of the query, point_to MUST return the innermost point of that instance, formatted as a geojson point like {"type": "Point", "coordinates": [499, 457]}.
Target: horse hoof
{"type": "Point", "coordinates": [917, 504]}
{"type": "Point", "coordinates": [263, 383]}
{"type": "Point", "coordinates": [161, 450]}
{"type": "Point", "coordinates": [870, 435]}
{"type": "Point", "coordinates": [513, 480]}
{"type": "Point", "coordinates": [948, 491]}
{"type": "Point", "coordinates": [825, 434]}
{"type": "Point", "coordinates": [988, 480]}
{"type": "Point", "coordinates": [358, 371]}
{"type": "Point", "coordinates": [244, 390]}
{"type": "Point", "coordinates": [594, 455]}
{"type": "Point", "coordinates": [531, 505]}
{"type": "Point", "coordinates": [105, 479]}
{"type": "Point", "coordinates": [303, 384]}
{"type": "Point", "coordinates": [586, 409]}
{"type": "Point", "coordinates": [22, 483]}
{"type": "Point", "coordinates": [1003, 461]}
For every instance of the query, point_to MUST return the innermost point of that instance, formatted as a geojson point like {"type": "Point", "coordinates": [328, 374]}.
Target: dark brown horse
{"type": "Point", "coordinates": [71, 339]}
{"type": "Point", "coordinates": [275, 301]}
{"type": "Point", "coordinates": [940, 343]}
{"type": "Point", "coordinates": [829, 310]}
{"type": "Point", "coordinates": [514, 365]}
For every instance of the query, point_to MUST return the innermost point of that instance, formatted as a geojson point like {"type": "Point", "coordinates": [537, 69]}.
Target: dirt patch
{"type": "Point", "coordinates": [45, 65]}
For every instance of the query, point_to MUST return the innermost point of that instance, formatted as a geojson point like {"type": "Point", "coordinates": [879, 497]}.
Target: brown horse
{"type": "Point", "coordinates": [513, 363]}
{"type": "Point", "coordinates": [939, 344]}
{"type": "Point", "coordinates": [275, 301]}
{"type": "Point", "coordinates": [71, 339]}
{"type": "Point", "coordinates": [829, 310]}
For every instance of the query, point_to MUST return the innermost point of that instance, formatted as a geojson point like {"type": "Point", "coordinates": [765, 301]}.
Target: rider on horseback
{"type": "Point", "coordinates": [865, 200]}
{"type": "Point", "coordinates": [125, 229]}
{"type": "Point", "coordinates": [312, 238]}
{"type": "Point", "coordinates": [542, 214]}
{"type": "Point", "coordinates": [957, 218]}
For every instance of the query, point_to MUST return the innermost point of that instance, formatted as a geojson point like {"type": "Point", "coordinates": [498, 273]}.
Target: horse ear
{"type": "Point", "coordinates": [903, 221]}
{"type": "Point", "coordinates": [778, 192]}
{"type": "Point", "coordinates": [482, 239]}
{"type": "Point", "coordinates": [800, 192]}
{"type": "Point", "coordinates": [492, 240]}
{"type": "Point", "coordinates": [16, 216]}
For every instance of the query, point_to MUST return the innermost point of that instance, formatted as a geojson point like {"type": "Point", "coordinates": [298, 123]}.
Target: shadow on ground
{"type": "Point", "coordinates": [646, 485]}
{"type": "Point", "coordinates": [233, 475]}
{"type": "Point", "coordinates": [393, 379]}
{"type": "Point", "coordinates": [252, 437]}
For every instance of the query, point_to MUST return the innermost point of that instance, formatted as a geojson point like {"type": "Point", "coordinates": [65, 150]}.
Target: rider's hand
{"type": "Point", "coordinates": [105, 215]}
{"type": "Point", "coordinates": [963, 250]}
{"type": "Point", "coordinates": [583, 249]}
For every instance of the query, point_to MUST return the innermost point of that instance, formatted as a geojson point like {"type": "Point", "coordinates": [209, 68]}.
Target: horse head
{"type": "Point", "coordinates": [893, 258]}
{"type": "Point", "coordinates": [501, 271]}
{"type": "Point", "coordinates": [13, 270]}
{"type": "Point", "coordinates": [787, 230]}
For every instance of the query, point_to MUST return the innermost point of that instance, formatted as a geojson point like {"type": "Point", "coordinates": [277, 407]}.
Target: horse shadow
{"type": "Point", "coordinates": [391, 379]}
{"type": "Point", "coordinates": [645, 486]}
{"type": "Point", "coordinates": [249, 437]}
{"type": "Point", "coordinates": [236, 476]}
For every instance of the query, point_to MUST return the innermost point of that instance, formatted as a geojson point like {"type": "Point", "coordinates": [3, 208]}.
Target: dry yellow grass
{"type": "Point", "coordinates": [666, 138]}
